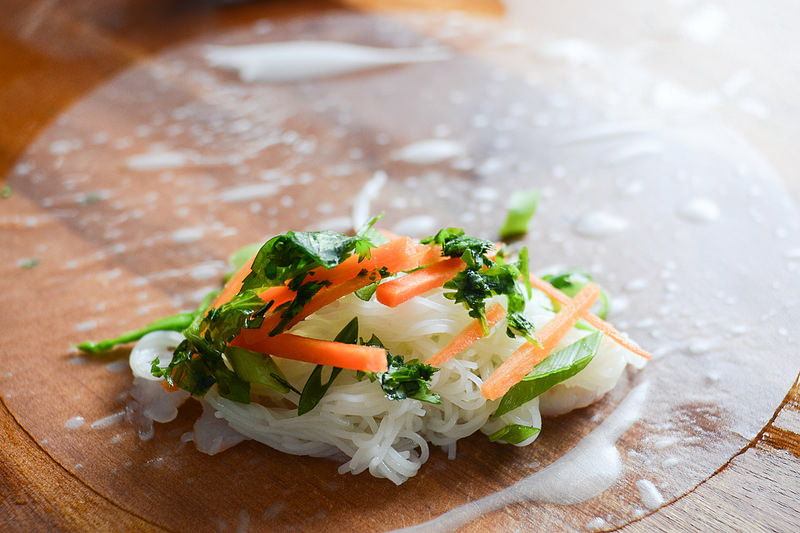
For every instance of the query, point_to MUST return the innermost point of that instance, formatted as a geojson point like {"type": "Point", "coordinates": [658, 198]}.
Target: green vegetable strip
{"type": "Point", "coordinates": [554, 369]}
{"type": "Point", "coordinates": [177, 322]}
{"type": "Point", "coordinates": [314, 389]}
{"type": "Point", "coordinates": [514, 433]}
{"type": "Point", "coordinates": [521, 207]}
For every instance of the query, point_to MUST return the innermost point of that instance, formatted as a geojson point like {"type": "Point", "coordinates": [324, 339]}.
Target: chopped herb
{"type": "Point", "coordinates": [294, 254]}
{"type": "Point", "coordinates": [571, 281]}
{"type": "Point", "coordinates": [483, 278]}
{"type": "Point", "coordinates": [408, 379]}
{"type": "Point", "coordinates": [403, 379]}
{"type": "Point", "coordinates": [28, 263]}
{"type": "Point", "coordinates": [554, 369]}
{"type": "Point", "coordinates": [521, 207]}
{"type": "Point", "coordinates": [6, 191]}
{"type": "Point", "coordinates": [455, 243]}
{"type": "Point", "coordinates": [514, 433]}
{"type": "Point", "coordinates": [314, 389]}
{"type": "Point", "coordinates": [197, 365]}
{"type": "Point", "coordinates": [288, 259]}
{"type": "Point", "coordinates": [90, 198]}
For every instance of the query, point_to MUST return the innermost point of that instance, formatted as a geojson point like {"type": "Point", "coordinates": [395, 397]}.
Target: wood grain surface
{"type": "Point", "coordinates": [722, 77]}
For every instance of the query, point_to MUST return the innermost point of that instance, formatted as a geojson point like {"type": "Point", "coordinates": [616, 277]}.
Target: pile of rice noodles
{"type": "Point", "coordinates": [354, 418]}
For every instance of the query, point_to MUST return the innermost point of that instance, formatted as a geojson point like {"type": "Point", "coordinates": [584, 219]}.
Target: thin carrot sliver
{"type": "Point", "coordinates": [592, 319]}
{"type": "Point", "coordinates": [323, 298]}
{"type": "Point", "coordinates": [321, 352]}
{"type": "Point", "coordinates": [394, 292]}
{"type": "Point", "coordinates": [522, 361]}
{"type": "Point", "coordinates": [395, 255]}
{"type": "Point", "coordinates": [468, 336]}
{"type": "Point", "coordinates": [233, 285]}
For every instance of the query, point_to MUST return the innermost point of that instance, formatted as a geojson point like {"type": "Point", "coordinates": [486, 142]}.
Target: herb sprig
{"type": "Point", "coordinates": [484, 278]}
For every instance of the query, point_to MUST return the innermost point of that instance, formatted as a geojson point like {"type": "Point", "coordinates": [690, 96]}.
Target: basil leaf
{"type": "Point", "coordinates": [514, 433]}
{"type": "Point", "coordinates": [521, 207]}
{"type": "Point", "coordinates": [314, 389]}
{"type": "Point", "coordinates": [554, 369]}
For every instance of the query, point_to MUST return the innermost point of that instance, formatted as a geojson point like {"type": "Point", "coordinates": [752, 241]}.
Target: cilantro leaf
{"type": "Point", "coordinates": [408, 379]}
{"type": "Point", "coordinates": [484, 277]}
{"type": "Point", "coordinates": [402, 379]}
{"type": "Point", "coordinates": [197, 365]}
{"type": "Point", "coordinates": [554, 369]}
{"type": "Point", "coordinates": [571, 281]}
{"type": "Point", "coordinates": [455, 243]}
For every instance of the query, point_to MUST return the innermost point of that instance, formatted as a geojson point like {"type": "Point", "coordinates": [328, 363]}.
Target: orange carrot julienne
{"type": "Point", "coordinates": [323, 298]}
{"type": "Point", "coordinates": [592, 319]}
{"type": "Point", "coordinates": [522, 361]}
{"type": "Point", "coordinates": [321, 352]}
{"type": "Point", "coordinates": [396, 255]}
{"type": "Point", "coordinates": [394, 292]}
{"type": "Point", "coordinates": [234, 284]}
{"type": "Point", "coordinates": [469, 335]}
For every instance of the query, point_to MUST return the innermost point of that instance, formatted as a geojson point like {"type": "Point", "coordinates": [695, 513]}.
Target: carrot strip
{"type": "Point", "coordinates": [469, 335]}
{"type": "Point", "coordinates": [233, 285]}
{"type": "Point", "coordinates": [594, 320]}
{"type": "Point", "coordinates": [321, 352]}
{"type": "Point", "coordinates": [399, 254]}
{"type": "Point", "coordinates": [323, 298]}
{"type": "Point", "coordinates": [394, 292]}
{"type": "Point", "coordinates": [522, 361]}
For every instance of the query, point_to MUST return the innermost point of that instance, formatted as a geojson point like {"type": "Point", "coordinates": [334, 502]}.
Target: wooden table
{"type": "Point", "coordinates": [737, 64]}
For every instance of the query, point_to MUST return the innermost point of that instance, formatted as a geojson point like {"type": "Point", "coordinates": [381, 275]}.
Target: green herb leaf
{"type": "Point", "coordinates": [514, 433]}
{"type": "Point", "coordinates": [554, 369]}
{"type": "Point", "coordinates": [407, 379]}
{"type": "Point", "coordinates": [365, 293]}
{"type": "Point", "coordinates": [90, 198]}
{"type": "Point", "coordinates": [571, 281]}
{"type": "Point", "coordinates": [256, 368]}
{"type": "Point", "coordinates": [6, 191]}
{"type": "Point", "coordinates": [294, 254]}
{"type": "Point", "coordinates": [521, 207]}
{"type": "Point", "coordinates": [28, 263]}
{"type": "Point", "coordinates": [197, 365]}
{"type": "Point", "coordinates": [314, 389]}
{"type": "Point", "coordinates": [455, 243]}
{"type": "Point", "coordinates": [177, 322]}
{"type": "Point", "coordinates": [222, 324]}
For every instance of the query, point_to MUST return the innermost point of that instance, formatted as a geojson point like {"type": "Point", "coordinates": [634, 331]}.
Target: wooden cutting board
{"type": "Point", "coordinates": [135, 167]}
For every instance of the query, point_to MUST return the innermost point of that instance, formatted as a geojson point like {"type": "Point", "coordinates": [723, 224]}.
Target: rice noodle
{"type": "Point", "coordinates": [389, 438]}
